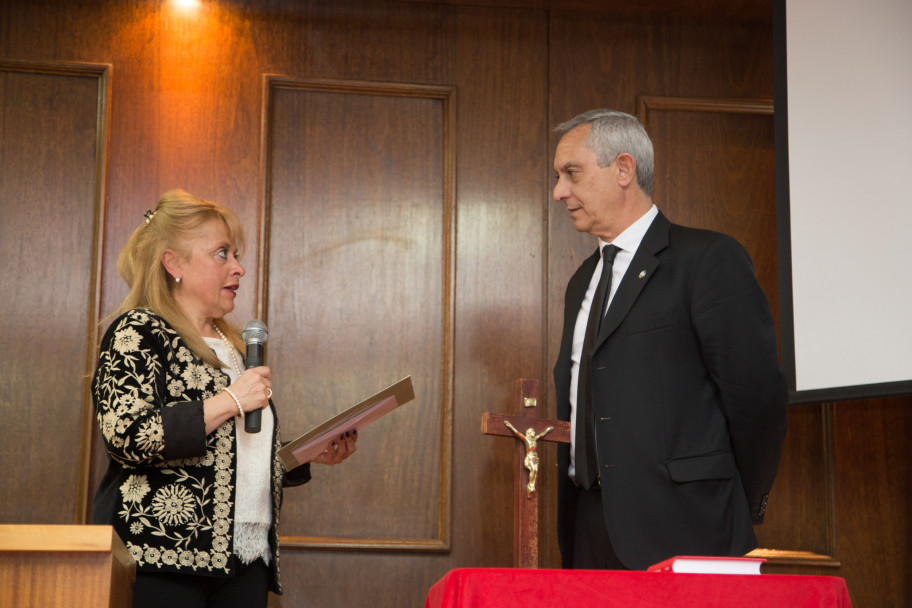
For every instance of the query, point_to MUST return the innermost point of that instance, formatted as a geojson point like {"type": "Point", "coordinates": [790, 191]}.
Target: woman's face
{"type": "Point", "coordinates": [210, 276]}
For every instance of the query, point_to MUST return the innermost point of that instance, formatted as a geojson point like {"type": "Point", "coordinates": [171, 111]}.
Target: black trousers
{"type": "Point", "coordinates": [248, 588]}
{"type": "Point", "coordinates": [592, 548]}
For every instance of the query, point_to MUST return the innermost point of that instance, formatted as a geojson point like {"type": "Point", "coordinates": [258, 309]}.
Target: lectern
{"type": "Point", "coordinates": [64, 566]}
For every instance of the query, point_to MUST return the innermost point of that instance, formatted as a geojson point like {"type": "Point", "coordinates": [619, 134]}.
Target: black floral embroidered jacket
{"type": "Point", "coordinates": [169, 488]}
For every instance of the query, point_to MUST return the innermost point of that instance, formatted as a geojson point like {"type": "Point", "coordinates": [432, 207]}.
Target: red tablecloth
{"type": "Point", "coordinates": [523, 588]}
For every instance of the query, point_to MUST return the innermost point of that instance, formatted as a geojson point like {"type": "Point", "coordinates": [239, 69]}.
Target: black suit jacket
{"type": "Point", "coordinates": [689, 396]}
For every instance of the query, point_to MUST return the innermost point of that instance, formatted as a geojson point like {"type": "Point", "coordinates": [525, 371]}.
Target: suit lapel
{"type": "Point", "coordinates": [578, 287]}
{"type": "Point", "coordinates": [576, 291]}
{"type": "Point", "coordinates": [637, 276]}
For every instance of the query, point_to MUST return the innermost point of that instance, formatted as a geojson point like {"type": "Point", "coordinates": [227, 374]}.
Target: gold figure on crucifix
{"type": "Point", "coordinates": [531, 459]}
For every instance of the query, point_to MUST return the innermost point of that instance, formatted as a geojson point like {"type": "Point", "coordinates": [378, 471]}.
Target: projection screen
{"type": "Point", "coordinates": [843, 121]}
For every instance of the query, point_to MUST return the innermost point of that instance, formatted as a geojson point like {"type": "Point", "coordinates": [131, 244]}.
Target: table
{"type": "Point", "coordinates": [63, 566]}
{"type": "Point", "coordinates": [522, 588]}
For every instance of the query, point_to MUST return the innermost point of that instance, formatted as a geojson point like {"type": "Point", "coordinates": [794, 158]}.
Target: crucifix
{"type": "Point", "coordinates": [526, 426]}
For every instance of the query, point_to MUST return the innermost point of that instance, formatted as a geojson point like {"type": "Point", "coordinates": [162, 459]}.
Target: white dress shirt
{"type": "Point", "coordinates": [253, 487]}
{"type": "Point", "coordinates": [627, 243]}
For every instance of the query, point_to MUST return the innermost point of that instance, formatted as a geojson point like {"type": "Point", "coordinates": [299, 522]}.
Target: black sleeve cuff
{"type": "Point", "coordinates": [297, 476]}
{"type": "Point", "coordinates": [184, 429]}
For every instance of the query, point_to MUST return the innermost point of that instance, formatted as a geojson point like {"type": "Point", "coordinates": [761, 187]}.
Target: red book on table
{"type": "Point", "coordinates": [700, 564]}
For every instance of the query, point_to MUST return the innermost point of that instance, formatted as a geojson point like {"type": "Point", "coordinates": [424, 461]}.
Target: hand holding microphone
{"type": "Point", "coordinates": [254, 335]}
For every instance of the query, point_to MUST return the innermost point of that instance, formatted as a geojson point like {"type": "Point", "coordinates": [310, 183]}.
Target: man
{"type": "Point", "coordinates": [681, 400]}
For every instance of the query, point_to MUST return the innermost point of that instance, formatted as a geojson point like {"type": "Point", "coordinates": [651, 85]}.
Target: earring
{"type": "Point", "coordinates": [177, 280]}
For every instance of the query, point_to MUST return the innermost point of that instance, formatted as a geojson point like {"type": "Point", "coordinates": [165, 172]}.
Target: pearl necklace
{"type": "Point", "coordinates": [231, 349]}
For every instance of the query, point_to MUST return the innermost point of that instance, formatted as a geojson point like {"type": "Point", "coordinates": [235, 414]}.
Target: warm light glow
{"type": "Point", "coordinates": [186, 5]}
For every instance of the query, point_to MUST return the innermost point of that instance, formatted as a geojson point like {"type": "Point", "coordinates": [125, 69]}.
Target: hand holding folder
{"type": "Point", "coordinates": [308, 446]}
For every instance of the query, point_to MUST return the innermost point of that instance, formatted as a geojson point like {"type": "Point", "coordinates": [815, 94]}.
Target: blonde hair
{"type": "Point", "coordinates": [176, 220]}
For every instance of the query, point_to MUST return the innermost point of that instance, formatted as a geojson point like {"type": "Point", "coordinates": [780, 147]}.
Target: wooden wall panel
{"type": "Point", "coordinates": [500, 266]}
{"type": "Point", "coordinates": [800, 527]}
{"type": "Point", "coordinates": [715, 170]}
{"type": "Point", "coordinates": [52, 145]}
{"type": "Point", "coordinates": [495, 62]}
{"type": "Point", "coordinates": [358, 294]}
{"type": "Point", "coordinates": [874, 499]}
{"type": "Point", "coordinates": [188, 101]}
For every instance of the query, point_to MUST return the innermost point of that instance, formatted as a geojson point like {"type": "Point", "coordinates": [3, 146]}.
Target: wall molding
{"type": "Point", "coordinates": [102, 73]}
{"type": "Point", "coordinates": [446, 95]}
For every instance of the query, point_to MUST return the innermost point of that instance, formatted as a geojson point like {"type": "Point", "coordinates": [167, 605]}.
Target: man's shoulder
{"type": "Point", "coordinates": [695, 233]}
{"type": "Point", "coordinates": [666, 236]}
{"type": "Point", "coordinates": [700, 238]}
{"type": "Point", "coordinates": [714, 252]}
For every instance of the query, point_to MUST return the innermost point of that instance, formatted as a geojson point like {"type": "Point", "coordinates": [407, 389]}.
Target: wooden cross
{"type": "Point", "coordinates": [529, 429]}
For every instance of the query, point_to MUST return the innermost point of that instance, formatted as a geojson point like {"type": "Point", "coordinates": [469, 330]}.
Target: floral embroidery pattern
{"type": "Point", "coordinates": [173, 505]}
{"type": "Point", "coordinates": [182, 519]}
{"type": "Point", "coordinates": [134, 488]}
{"type": "Point", "coordinates": [150, 437]}
{"type": "Point", "coordinates": [196, 376]}
{"type": "Point", "coordinates": [173, 514]}
{"type": "Point", "coordinates": [125, 340]}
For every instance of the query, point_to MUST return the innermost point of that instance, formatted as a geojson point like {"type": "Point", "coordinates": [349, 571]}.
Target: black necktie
{"type": "Point", "coordinates": [586, 460]}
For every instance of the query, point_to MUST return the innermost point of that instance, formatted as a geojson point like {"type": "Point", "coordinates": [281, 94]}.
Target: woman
{"type": "Point", "coordinates": [193, 496]}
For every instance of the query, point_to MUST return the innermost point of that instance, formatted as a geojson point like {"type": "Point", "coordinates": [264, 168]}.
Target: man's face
{"type": "Point", "coordinates": [590, 193]}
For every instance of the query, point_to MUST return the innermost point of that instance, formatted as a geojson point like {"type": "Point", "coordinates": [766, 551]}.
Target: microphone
{"type": "Point", "coordinates": [254, 335]}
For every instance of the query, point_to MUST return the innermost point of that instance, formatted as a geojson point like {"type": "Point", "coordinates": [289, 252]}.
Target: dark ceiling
{"type": "Point", "coordinates": [721, 10]}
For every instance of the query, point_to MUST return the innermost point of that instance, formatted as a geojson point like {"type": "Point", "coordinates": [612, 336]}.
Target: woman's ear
{"type": "Point", "coordinates": [171, 262]}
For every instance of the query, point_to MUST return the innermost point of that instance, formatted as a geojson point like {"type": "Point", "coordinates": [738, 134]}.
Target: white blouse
{"type": "Point", "coordinates": [253, 491]}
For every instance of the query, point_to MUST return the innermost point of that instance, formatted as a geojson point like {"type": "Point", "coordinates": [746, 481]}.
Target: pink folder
{"type": "Point", "coordinates": [309, 445]}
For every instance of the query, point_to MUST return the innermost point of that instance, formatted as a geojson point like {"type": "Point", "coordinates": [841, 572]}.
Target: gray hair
{"type": "Point", "coordinates": [613, 133]}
